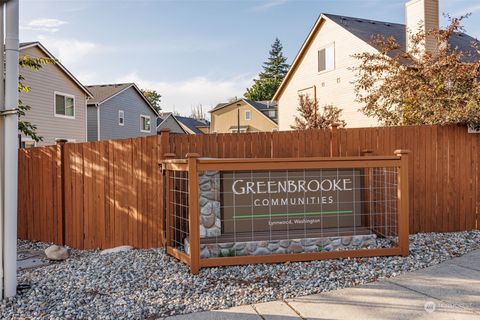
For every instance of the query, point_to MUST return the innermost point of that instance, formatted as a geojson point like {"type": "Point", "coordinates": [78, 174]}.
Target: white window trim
{"type": "Point", "coordinates": [250, 113]}
{"type": "Point", "coordinates": [123, 117]}
{"type": "Point", "coordinates": [331, 44]}
{"type": "Point", "coordinates": [55, 93]}
{"type": "Point", "coordinates": [141, 123]}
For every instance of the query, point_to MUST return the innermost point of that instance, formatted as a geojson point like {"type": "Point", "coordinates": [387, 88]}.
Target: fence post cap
{"type": "Point", "coordinates": [335, 125]}
{"type": "Point", "coordinates": [401, 151]}
{"type": "Point", "coordinates": [165, 130]}
{"type": "Point", "coordinates": [61, 141]}
{"type": "Point", "coordinates": [192, 155]}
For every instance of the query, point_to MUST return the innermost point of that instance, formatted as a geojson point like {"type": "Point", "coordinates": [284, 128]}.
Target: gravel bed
{"type": "Point", "coordinates": [141, 284]}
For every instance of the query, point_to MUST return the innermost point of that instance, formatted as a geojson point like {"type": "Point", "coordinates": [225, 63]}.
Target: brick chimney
{"type": "Point", "coordinates": [423, 14]}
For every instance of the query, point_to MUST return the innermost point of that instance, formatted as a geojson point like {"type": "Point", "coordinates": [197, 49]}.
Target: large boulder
{"type": "Point", "coordinates": [57, 253]}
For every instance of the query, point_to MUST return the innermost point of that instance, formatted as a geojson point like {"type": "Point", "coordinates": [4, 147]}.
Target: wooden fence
{"type": "Point", "coordinates": [108, 193]}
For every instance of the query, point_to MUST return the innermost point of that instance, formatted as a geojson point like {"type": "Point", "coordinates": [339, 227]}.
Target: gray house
{"type": "Point", "coordinates": [58, 101]}
{"type": "Point", "coordinates": [182, 125]}
{"type": "Point", "coordinates": [119, 111]}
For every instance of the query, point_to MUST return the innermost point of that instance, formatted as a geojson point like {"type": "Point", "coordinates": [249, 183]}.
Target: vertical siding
{"type": "Point", "coordinates": [43, 84]}
{"type": "Point", "coordinates": [133, 106]}
{"type": "Point", "coordinates": [92, 124]}
{"type": "Point", "coordinates": [340, 94]}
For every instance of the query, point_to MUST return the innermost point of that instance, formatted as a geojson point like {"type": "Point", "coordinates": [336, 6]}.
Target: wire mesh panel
{"type": "Point", "coordinates": [237, 211]}
{"type": "Point", "coordinates": [383, 202]}
{"type": "Point", "coordinates": [178, 209]}
{"type": "Point", "coordinates": [295, 211]}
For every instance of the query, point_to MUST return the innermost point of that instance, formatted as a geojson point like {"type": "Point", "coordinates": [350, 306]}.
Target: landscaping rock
{"type": "Point", "coordinates": [148, 284]}
{"type": "Point", "coordinates": [57, 253]}
{"type": "Point", "coordinates": [208, 221]}
{"type": "Point", "coordinates": [116, 249]}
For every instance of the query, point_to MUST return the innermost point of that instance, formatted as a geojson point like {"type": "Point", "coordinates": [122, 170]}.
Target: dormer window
{"type": "Point", "coordinates": [326, 58]}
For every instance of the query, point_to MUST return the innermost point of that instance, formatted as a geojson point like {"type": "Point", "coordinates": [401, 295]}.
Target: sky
{"type": "Point", "coordinates": [194, 52]}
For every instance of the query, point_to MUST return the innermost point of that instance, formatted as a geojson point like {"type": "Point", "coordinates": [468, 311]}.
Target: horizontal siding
{"type": "Point", "coordinates": [225, 118]}
{"type": "Point", "coordinates": [133, 106]}
{"type": "Point", "coordinates": [40, 98]}
{"type": "Point", "coordinates": [340, 94]}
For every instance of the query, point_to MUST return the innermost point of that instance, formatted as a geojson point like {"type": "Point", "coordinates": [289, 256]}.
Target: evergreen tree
{"type": "Point", "coordinates": [274, 70]}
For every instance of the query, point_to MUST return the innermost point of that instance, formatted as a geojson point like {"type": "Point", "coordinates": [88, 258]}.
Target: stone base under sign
{"type": "Point", "coordinates": [260, 248]}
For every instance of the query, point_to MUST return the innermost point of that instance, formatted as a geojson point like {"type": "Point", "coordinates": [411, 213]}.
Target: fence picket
{"type": "Point", "coordinates": [111, 190]}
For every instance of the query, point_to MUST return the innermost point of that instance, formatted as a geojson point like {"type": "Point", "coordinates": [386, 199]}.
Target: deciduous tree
{"type": "Point", "coordinates": [312, 118]}
{"type": "Point", "coordinates": [153, 97]}
{"type": "Point", "coordinates": [414, 86]}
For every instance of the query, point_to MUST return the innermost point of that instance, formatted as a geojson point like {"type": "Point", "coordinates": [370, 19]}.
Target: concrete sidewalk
{"type": "Point", "coordinates": [450, 290]}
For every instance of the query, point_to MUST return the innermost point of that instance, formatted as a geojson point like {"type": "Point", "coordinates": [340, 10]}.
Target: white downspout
{"type": "Point", "coordinates": [11, 148]}
{"type": "Point", "coordinates": [2, 108]}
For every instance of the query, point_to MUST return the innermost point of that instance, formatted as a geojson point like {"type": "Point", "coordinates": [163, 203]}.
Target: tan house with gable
{"type": "Point", "coordinates": [244, 115]}
{"type": "Point", "coordinates": [57, 99]}
{"type": "Point", "coordinates": [322, 68]}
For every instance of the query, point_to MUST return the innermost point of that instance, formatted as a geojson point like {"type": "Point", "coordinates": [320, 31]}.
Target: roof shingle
{"type": "Point", "coordinates": [104, 91]}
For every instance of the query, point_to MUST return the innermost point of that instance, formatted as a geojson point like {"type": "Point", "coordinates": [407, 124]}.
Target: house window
{"type": "Point", "coordinates": [64, 105]}
{"type": "Point", "coordinates": [272, 113]}
{"type": "Point", "coordinates": [144, 123]}
{"type": "Point", "coordinates": [326, 58]}
{"type": "Point", "coordinates": [121, 117]}
{"type": "Point", "coordinates": [248, 115]}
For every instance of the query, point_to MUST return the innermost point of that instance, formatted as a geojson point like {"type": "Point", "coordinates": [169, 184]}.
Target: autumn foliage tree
{"type": "Point", "coordinates": [311, 117]}
{"type": "Point", "coordinates": [153, 97]}
{"type": "Point", "coordinates": [415, 86]}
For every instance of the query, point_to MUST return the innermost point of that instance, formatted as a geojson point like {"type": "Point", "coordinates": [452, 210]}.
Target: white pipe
{"type": "Point", "coordinates": [2, 107]}
{"type": "Point", "coordinates": [11, 148]}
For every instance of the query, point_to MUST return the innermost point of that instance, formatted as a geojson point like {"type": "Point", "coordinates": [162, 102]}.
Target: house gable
{"type": "Point", "coordinates": [171, 123]}
{"type": "Point", "coordinates": [44, 84]}
{"type": "Point", "coordinates": [225, 118]}
{"type": "Point", "coordinates": [132, 104]}
{"type": "Point", "coordinates": [36, 49]}
{"type": "Point", "coordinates": [333, 86]}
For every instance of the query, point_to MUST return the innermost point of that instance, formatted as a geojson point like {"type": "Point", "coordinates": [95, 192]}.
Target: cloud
{"type": "Point", "coordinates": [44, 24]}
{"type": "Point", "coordinates": [181, 96]}
{"type": "Point", "coordinates": [463, 8]}
{"type": "Point", "coordinates": [182, 45]}
{"type": "Point", "coordinates": [473, 9]}
{"type": "Point", "coordinates": [268, 5]}
{"type": "Point", "coordinates": [69, 51]}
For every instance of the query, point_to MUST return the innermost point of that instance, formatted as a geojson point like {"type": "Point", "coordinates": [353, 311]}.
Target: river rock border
{"type": "Point", "coordinates": [260, 248]}
{"type": "Point", "coordinates": [209, 201]}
